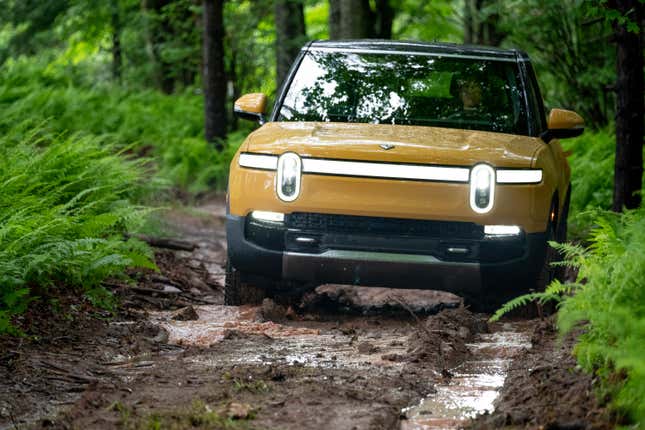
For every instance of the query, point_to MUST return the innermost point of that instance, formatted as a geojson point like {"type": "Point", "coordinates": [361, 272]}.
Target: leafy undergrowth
{"type": "Point", "coordinates": [592, 178]}
{"type": "Point", "coordinates": [66, 203]}
{"type": "Point", "coordinates": [168, 128]}
{"type": "Point", "coordinates": [608, 301]}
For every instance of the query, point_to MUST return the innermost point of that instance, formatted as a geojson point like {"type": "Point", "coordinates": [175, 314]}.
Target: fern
{"type": "Point", "coordinates": [167, 128]}
{"type": "Point", "coordinates": [513, 304]}
{"type": "Point", "coordinates": [66, 203]}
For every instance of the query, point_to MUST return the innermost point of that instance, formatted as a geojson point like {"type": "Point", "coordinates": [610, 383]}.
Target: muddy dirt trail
{"type": "Point", "coordinates": [176, 357]}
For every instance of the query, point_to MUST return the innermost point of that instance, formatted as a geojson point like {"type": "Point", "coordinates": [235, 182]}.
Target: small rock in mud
{"type": "Point", "coordinates": [272, 311]}
{"type": "Point", "coordinates": [464, 332]}
{"type": "Point", "coordinates": [348, 331]}
{"type": "Point", "coordinates": [185, 314]}
{"type": "Point", "coordinates": [161, 337]}
{"type": "Point", "coordinates": [367, 348]}
{"type": "Point", "coordinates": [234, 334]}
{"type": "Point", "coordinates": [238, 411]}
{"type": "Point", "coordinates": [169, 289]}
{"type": "Point", "coordinates": [291, 314]}
{"type": "Point", "coordinates": [393, 357]}
{"type": "Point", "coordinates": [198, 283]}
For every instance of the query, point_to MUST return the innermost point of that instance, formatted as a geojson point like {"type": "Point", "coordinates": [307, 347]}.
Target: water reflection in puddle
{"type": "Point", "coordinates": [266, 342]}
{"type": "Point", "coordinates": [215, 321]}
{"type": "Point", "coordinates": [474, 386]}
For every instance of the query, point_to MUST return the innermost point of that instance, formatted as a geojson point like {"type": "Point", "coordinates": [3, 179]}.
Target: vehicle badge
{"type": "Point", "coordinates": [386, 146]}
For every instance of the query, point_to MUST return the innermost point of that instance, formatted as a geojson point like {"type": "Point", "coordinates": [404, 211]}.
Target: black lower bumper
{"type": "Point", "coordinates": [461, 260]}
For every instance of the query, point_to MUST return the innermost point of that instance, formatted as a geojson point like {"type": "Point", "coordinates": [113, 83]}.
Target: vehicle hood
{"type": "Point", "coordinates": [412, 144]}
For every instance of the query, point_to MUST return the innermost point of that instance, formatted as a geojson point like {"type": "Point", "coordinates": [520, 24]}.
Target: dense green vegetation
{"type": "Point", "coordinates": [592, 164]}
{"type": "Point", "coordinates": [66, 201]}
{"type": "Point", "coordinates": [609, 301]}
{"type": "Point", "coordinates": [167, 128]}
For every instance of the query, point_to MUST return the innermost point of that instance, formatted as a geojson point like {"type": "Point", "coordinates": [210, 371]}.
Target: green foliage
{"type": "Point", "coordinates": [554, 292]}
{"type": "Point", "coordinates": [570, 51]}
{"type": "Point", "coordinates": [169, 128]}
{"type": "Point", "coordinates": [66, 203]}
{"type": "Point", "coordinates": [592, 177]}
{"type": "Point", "coordinates": [611, 305]}
{"type": "Point", "coordinates": [608, 300]}
{"type": "Point", "coordinates": [429, 21]}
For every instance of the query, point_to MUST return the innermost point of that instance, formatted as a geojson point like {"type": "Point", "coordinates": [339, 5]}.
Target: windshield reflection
{"type": "Point", "coordinates": [406, 89]}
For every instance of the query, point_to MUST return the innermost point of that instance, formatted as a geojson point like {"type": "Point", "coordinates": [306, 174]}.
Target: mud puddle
{"type": "Point", "coordinates": [259, 342]}
{"type": "Point", "coordinates": [473, 386]}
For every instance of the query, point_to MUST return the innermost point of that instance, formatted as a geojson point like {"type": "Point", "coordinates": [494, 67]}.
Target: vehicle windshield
{"type": "Point", "coordinates": [407, 88]}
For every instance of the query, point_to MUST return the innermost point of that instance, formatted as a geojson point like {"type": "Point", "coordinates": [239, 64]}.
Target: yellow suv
{"type": "Point", "coordinates": [399, 164]}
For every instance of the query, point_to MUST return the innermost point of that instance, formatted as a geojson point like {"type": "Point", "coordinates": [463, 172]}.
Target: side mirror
{"type": "Point", "coordinates": [251, 107]}
{"type": "Point", "coordinates": [562, 124]}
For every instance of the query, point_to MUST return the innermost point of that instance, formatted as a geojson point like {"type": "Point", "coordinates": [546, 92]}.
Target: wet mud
{"type": "Point", "coordinates": [348, 358]}
{"type": "Point", "coordinates": [546, 389]}
{"type": "Point", "coordinates": [472, 387]}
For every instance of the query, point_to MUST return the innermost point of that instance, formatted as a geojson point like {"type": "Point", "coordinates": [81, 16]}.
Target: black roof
{"type": "Point", "coordinates": [419, 47]}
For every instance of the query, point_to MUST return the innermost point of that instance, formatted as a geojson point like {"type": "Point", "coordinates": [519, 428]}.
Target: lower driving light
{"type": "Point", "coordinates": [482, 188]}
{"type": "Point", "coordinates": [502, 230]}
{"type": "Point", "coordinates": [268, 216]}
{"type": "Point", "coordinates": [288, 177]}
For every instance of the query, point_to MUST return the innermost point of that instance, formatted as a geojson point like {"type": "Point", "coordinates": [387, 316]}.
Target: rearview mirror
{"type": "Point", "coordinates": [251, 107]}
{"type": "Point", "coordinates": [562, 124]}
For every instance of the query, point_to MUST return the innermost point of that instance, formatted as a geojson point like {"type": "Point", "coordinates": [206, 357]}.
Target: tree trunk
{"type": "Point", "coordinates": [117, 61]}
{"type": "Point", "coordinates": [384, 19]}
{"type": "Point", "coordinates": [469, 6]}
{"type": "Point", "coordinates": [232, 77]}
{"type": "Point", "coordinates": [356, 19]}
{"type": "Point", "coordinates": [334, 19]}
{"type": "Point", "coordinates": [157, 34]}
{"type": "Point", "coordinates": [481, 27]}
{"type": "Point", "coordinates": [214, 75]}
{"type": "Point", "coordinates": [290, 35]}
{"type": "Point", "coordinates": [630, 100]}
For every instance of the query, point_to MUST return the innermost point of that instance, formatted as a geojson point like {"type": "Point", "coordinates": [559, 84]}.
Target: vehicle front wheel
{"type": "Point", "coordinates": [548, 272]}
{"type": "Point", "coordinates": [238, 293]}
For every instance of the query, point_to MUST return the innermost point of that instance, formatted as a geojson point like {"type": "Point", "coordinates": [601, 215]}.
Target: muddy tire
{"type": "Point", "coordinates": [238, 293]}
{"type": "Point", "coordinates": [547, 272]}
{"type": "Point", "coordinates": [563, 219]}
{"type": "Point", "coordinates": [561, 236]}
{"type": "Point", "coordinates": [558, 233]}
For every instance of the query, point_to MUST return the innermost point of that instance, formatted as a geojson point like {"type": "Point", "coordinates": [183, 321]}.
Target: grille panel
{"type": "Point", "coordinates": [330, 223]}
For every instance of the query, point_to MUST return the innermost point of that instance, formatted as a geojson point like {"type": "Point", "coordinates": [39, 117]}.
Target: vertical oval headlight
{"type": "Point", "coordinates": [482, 188]}
{"type": "Point", "coordinates": [288, 179]}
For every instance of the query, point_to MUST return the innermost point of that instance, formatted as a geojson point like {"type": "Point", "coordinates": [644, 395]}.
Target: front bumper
{"type": "Point", "coordinates": [385, 252]}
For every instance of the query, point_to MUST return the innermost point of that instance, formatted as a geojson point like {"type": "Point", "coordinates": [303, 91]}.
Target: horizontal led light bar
{"type": "Point", "coordinates": [259, 161]}
{"type": "Point", "coordinates": [385, 170]}
{"type": "Point", "coordinates": [519, 176]}
{"type": "Point", "coordinates": [268, 216]}
{"type": "Point", "coordinates": [390, 170]}
{"type": "Point", "coordinates": [502, 230]}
